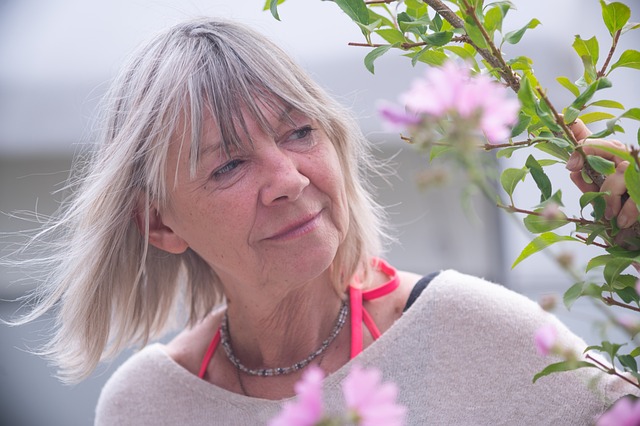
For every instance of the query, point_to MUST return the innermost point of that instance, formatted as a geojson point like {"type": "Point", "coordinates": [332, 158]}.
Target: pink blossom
{"type": "Point", "coordinates": [373, 402]}
{"type": "Point", "coordinates": [638, 286]}
{"type": "Point", "coordinates": [552, 211]}
{"type": "Point", "coordinates": [451, 90]}
{"type": "Point", "coordinates": [306, 410]}
{"type": "Point", "coordinates": [545, 338]}
{"type": "Point", "coordinates": [625, 412]}
{"type": "Point", "coordinates": [396, 117]}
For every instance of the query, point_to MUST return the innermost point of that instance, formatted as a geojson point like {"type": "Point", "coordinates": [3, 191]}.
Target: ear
{"type": "Point", "coordinates": [160, 235]}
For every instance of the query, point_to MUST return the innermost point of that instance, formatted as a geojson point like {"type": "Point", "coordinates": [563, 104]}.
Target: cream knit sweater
{"type": "Point", "coordinates": [463, 354]}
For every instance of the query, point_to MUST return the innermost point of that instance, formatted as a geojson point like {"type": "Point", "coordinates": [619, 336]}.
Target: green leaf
{"type": "Point", "coordinates": [562, 366]}
{"type": "Point", "coordinates": [493, 19]}
{"type": "Point", "coordinates": [633, 113]}
{"type": "Point", "coordinates": [601, 83]}
{"type": "Point", "coordinates": [540, 243]}
{"type": "Point", "coordinates": [540, 177]}
{"type": "Point", "coordinates": [527, 97]}
{"type": "Point", "coordinates": [355, 9]}
{"type": "Point", "coordinates": [592, 117]}
{"type": "Point", "coordinates": [572, 294]}
{"type": "Point", "coordinates": [598, 261]}
{"type": "Point", "coordinates": [461, 52]}
{"type": "Point", "coordinates": [596, 199]}
{"type": "Point", "coordinates": [567, 84]}
{"type": "Point", "coordinates": [587, 48]}
{"type": "Point", "coordinates": [438, 39]}
{"type": "Point", "coordinates": [521, 63]}
{"type": "Point", "coordinates": [521, 125]}
{"type": "Point", "coordinates": [628, 59]}
{"type": "Point", "coordinates": [431, 57]}
{"type": "Point", "coordinates": [615, 16]}
{"type": "Point", "coordinates": [391, 35]}
{"type": "Point", "coordinates": [629, 362]}
{"type": "Point", "coordinates": [439, 150]}
{"type": "Point", "coordinates": [625, 253]}
{"type": "Point", "coordinates": [375, 54]}
{"type": "Point", "coordinates": [514, 37]}
{"type": "Point", "coordinates": [546, 116]}
{"type": "Point", "coordinates": [510, 178]}
{"type": "Point", "coordinates": [611, 349]}
{"type": "Point", "coordinates": [552, 148]}
{"type": "Point", "coordinates": [474, 33]}
{"type": "Point", "coordinates": [386, 22]}
{"type": "Point", "coordinates": [614, 268]}
{"type": "Point", "coordinates": [436, 23]}
{"type": "Point", "coordinates": [624, 281]}
{"type": "Point", "coordinates": [578, 290]}
{"type": "Point", "coordinates": [632, 181]}
{"type": "Point", "coordinates": [272, 6]}
{"type": "Point", "coordinates": [622, 153]}
{"type": "Point", "coordinates": [571, 114]}
{"type": "Point", "coordinates": [508, 152]}
{"type": "Point", "coordinates": [630, 26]}
{"type": "Point", "coordinates": [415, 8]}
{"type": "Point", "coordinates": [607, 104]}
{"type": "Point", "coordinates": [636, 352]}
{"type": "Point", "coordinates": [601, 165]}
{"type": "Point", "coordinates": [538, 224]}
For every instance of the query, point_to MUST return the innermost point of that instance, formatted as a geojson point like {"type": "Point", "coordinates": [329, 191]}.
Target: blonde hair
{"type": "Point", "coordinates": [110, 288]}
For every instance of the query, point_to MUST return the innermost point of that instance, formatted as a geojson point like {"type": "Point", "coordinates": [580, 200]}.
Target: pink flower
{"type": "Point", "coordinates": [552, 211]}
{"type": "Point", "coordinates": [306, 410]}
{"type": "Point", "coordinates": [373, 402]}
{"type": "Point", "coordinates": [625, 412]}
{"type": "Point", "coordinates": [451, 90]}
{"type": "Point", "coordinates": [545, 338]}
{"type": "Point", "coordinates": [638, 286]}
{"type": "Point", "coordinates": [396, 117]}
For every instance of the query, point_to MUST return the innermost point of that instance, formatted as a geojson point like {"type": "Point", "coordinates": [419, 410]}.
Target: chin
{"type": "Point", "coordinates": [305, 265]}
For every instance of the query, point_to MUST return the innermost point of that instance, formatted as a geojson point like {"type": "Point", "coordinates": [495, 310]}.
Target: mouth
{"type": "Point", "coordinates": [298, 228]}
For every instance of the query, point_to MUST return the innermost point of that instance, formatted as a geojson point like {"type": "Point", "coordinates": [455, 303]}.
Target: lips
{"type": "Point", "coordinates": [298, 228]}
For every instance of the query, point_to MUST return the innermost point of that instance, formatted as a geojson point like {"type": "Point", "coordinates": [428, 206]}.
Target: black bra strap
{"type": "Point", "coordinates": [418, 289]}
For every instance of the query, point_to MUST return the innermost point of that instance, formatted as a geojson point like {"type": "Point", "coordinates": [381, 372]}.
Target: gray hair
{"type": "Point", "coordinates": [111, 288]}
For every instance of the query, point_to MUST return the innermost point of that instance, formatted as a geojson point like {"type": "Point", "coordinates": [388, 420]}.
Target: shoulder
{"type": "Point", "coordinates": [131, 385]}
{"type": "Point", "coordinates": [188, 348]}
{"type": "Point", "coordinates": [477, 296]}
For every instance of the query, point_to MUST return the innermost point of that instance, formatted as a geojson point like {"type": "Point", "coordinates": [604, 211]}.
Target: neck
{"type": "Point", "coordinates": [283, 332]}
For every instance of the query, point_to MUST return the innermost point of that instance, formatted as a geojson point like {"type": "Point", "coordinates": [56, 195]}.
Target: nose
{"type": "Point", "coordinates": [283, 179]}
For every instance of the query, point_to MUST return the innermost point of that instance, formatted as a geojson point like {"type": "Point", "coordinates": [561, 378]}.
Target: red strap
{"type": "Point", "coordinates": [371, 325]}
{"type": "Point", "coordinates": [355, 299]}
{"type": "Point", "coordinates": [386, 288]}
{"type": "Point", "coordinates": [210, 351]}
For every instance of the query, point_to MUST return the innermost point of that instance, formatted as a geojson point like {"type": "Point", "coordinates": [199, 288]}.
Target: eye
{"type": "Point", "coordinates": [226, 169]}
{"type": "Point", "coordinates": [301, 133]}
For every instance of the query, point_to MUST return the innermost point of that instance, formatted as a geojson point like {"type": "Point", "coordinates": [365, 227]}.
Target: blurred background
{"type": "Point", "coordinates": [57, 57]}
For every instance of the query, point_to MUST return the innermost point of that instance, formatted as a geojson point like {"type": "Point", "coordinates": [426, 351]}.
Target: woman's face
{"type": "Point", "coordinates": [274, 212]}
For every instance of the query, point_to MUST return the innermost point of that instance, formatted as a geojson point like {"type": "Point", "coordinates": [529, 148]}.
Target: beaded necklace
{"type": "Point", "coordinates": [265, 372]}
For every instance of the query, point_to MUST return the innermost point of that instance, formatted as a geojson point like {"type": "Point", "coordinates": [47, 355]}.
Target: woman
{"type": "Point", "coordinates": [225, 174]}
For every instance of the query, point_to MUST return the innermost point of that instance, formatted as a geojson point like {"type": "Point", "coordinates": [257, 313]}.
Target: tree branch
{"type": "Point", "coordinates": [614, 43]}
{"type": "Point", "coordinates": [559, 119]}
{"type": "Point", "coordinates": [612, 371]}
{"type": "Point", "coordinates": [514, 209]}
{"type": "Point", "coordinates": [406, 46]}
{"type": "Point", "coordinates": [611, 301]}
{"type": "Point", "coordinates": [580, 237]}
